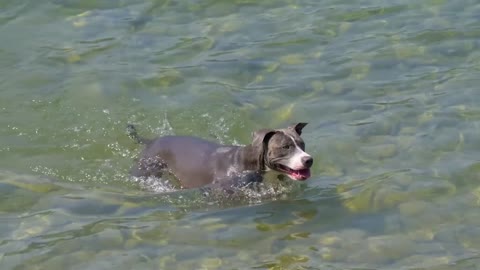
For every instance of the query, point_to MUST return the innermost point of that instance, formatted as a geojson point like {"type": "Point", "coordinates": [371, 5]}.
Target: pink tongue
{"type": "Point", "coordinates": [301, 174]}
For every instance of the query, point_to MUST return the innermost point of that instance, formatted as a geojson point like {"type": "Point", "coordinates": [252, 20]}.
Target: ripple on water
{"type": "Point", "coordinates": [396, 183]}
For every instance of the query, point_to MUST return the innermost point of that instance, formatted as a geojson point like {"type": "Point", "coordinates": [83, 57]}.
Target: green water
{"type": "Point", "coordinates": [389, 88]}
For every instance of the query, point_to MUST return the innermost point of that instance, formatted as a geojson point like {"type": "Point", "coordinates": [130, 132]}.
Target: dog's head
{"type": "Point", "coordinates": [283, 151]}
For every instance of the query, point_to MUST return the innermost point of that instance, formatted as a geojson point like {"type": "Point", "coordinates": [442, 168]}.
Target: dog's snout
{"type": "Point", "coordinates": [307, 161]}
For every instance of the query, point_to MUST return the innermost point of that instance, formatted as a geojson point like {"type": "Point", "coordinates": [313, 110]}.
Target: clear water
{"type": "Point", "coordinates": [389, 88]}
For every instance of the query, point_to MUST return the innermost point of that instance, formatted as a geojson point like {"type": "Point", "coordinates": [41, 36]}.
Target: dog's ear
{"type": "Point", "coordinates": [260, 140]}
{"type": "Point", "coordinates": [261, 137]}
{"type": "Point", "coordinates": [298, 127]}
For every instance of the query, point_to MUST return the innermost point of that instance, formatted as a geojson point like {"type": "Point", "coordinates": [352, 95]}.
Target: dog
{"type": "Point", "coordinates": [196, 162]}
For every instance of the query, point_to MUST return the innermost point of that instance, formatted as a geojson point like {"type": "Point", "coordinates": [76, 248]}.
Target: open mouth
{"type": "Point", "coordinates": [300, 175]}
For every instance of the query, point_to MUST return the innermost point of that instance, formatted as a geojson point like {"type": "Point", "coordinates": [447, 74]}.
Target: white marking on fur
{"type": "Point", "coordinates": [295, 161]}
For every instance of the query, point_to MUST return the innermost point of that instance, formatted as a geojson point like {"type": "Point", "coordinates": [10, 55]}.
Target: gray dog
{"type": "Point", "coordinates": [197, 162]}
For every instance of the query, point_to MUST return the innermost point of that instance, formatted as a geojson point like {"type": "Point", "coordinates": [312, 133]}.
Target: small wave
{"type": "Point", "coordinates": [154, 184]}
{"type": "Point", "coordinates": [213, 195]}
{"type": "Point", "coordinates": [258, 193]}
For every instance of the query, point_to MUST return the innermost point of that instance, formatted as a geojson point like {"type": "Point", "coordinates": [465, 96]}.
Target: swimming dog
{"type": "Point", "coordinates": [196, 162]}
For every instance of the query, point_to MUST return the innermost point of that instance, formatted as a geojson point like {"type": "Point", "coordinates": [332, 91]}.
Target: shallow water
{"type": "Point", "coordinates": [389, 88]}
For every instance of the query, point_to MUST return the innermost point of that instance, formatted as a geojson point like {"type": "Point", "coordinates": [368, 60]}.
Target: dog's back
{"type": "Point", "coordinates": [188, 158]}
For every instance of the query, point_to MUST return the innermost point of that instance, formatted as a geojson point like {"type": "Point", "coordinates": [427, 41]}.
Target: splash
{"type": "Point", "coordinates": [257, 193]}
{"type": "Point", "coordinates": [217, 196]}
{"type": "Point", "coordinates": [154, 184]}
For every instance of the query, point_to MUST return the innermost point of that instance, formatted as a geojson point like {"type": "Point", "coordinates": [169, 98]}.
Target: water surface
{"type": "Point", "coordinates": [389, 88]}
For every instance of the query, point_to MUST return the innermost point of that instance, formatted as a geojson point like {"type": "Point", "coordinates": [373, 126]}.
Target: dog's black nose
{"type": "Point", "coordinates": [307, 161]}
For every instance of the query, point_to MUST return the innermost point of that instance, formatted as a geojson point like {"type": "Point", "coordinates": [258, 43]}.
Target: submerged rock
{"type": "Point", "coordinates": [430, 189]}
{"type": "Point", "coordinates": [293, 59]}
{"type": "Point", "coordinates": [32, 226]}
{"type": "Point", "coordinates": [470, 237]}
{"type": "Point", "coordinates": [422, 261]}
{"type": "Point", "coordinates": [377, 152]}
{"type": "Point", "coordinates": [413, 208]}
{"type": "Point", "coordinates": [211, 263]}
{"type": "Point", "coordinates": [344, 238]}
{"type": "Point", "coordinates": [382, 249]}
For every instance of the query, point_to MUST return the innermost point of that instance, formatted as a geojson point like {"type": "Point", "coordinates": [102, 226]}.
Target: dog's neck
{"type": "Point", "coordinates": [251, 158]}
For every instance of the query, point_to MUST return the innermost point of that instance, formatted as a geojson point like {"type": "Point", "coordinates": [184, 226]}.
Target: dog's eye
{"type": "Point", "coordinates": [287, 146]}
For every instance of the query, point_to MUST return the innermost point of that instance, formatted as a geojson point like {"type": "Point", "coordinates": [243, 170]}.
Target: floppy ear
{"type": "Point", "coordinates": [298, 127]}
{"type": "Point", "coordinates": [261, 137]}
{"type": "Point", "coordinates": [260, 140]}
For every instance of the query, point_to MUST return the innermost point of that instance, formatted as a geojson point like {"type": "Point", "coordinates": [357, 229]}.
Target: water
{"type": "Point", "coordinates": [389, 89]}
